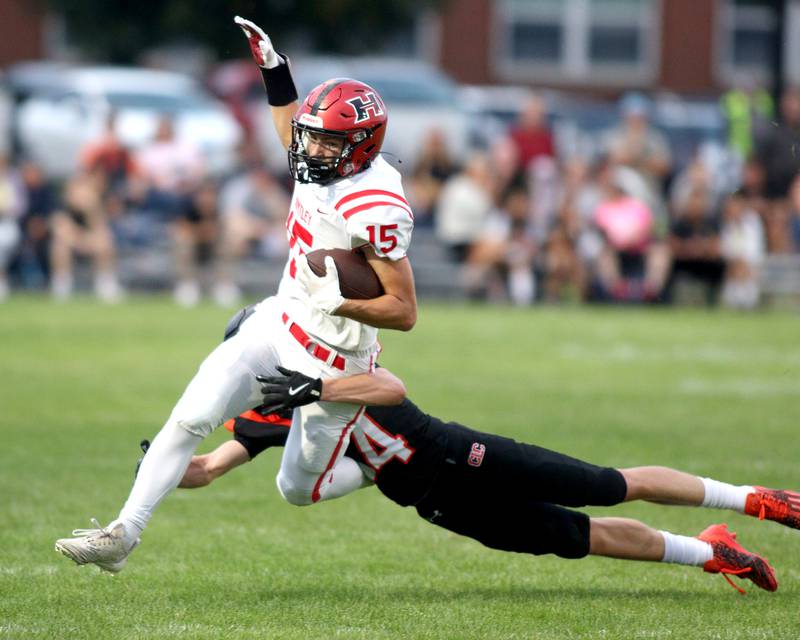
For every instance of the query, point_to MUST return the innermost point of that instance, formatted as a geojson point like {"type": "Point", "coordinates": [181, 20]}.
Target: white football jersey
{"type": "Point", "coordinates": [369, 208]}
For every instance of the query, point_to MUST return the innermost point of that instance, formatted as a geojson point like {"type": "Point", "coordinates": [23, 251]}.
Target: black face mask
{"type": "Point", "coordinates": [313, 169]}
{"type": "Point", "coordinates": [305, 168]}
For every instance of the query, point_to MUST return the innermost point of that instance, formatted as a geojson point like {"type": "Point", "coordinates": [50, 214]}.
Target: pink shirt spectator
{"type": "Point", "coordinates": [171, 165]}
{"type": "Point", "coordinates": [626, 222]}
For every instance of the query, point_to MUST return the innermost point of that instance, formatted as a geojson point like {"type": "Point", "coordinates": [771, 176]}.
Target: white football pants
{"type": "Point", "coordinates": [225, 386]}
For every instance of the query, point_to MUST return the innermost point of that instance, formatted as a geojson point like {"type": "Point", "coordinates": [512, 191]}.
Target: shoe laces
{"type": "Point", "coordinates": [97, 531]}
{"type": "Point", "coordinates": [735, 572]}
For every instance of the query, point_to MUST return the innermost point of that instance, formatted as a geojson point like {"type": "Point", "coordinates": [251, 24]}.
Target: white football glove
{"type": "Point", "coordinates": [260, 44]}
{"type": "Point", "coordinates": [324, 291]}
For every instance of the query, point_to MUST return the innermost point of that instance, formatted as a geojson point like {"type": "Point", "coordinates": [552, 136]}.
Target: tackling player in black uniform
{"type": "Point", "coordinates": [505, 494]}
{"type": "Point", "coordinates": [498, 491]}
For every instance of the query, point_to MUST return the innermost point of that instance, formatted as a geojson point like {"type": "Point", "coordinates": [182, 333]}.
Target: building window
{"type": "Point", "coordinates": [541, 42]}
{"type": "Point", "coordinates": [614, 45]}
{"type": "Point", "coordinates": [617, 29]}
{"type": "Point", "coordinates": [748, 29]}
{"type": "Point", "coordinates": [791, 51]}
{"type": "Point", "coordinates": [587, 41]}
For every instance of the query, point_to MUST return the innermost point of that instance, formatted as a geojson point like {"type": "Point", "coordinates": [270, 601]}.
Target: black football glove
{"type": "Point", "coordinates": [145, 445]}
{"type": "Point", "coordinates": [287, 391]}
{"type": "Point", "coordinates": [264, 410]}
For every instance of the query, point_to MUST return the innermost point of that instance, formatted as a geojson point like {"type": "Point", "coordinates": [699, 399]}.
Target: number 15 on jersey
{"type": "Point", "coordinates": [381, 237]}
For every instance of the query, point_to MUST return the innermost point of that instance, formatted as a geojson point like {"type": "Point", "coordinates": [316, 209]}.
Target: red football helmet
{"type": "Point", "coordinates": [341, 108]}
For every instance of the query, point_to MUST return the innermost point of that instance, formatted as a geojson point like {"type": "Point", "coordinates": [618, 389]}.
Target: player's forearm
{"type": "Point", "coordinates": [203, 470]}
{"type": "Point", "coordinates": [276, 72]}
{"type": "Point", "coordinates": [379, 388]}
{"type": "Point", "coordinates": [385, 312]}
{"type": "Point", "coordinates": [282, 119]}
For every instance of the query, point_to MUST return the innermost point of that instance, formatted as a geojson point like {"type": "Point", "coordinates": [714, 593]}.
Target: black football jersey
{"type": "Point", "coordinates": [399, 447]}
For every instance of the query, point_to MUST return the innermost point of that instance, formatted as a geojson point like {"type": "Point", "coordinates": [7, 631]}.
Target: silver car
{"type": "Point", "coordinates": [56, 121]}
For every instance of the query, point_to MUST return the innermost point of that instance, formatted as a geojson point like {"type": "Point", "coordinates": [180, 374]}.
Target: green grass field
{"type": "Point", "coordinates": [709, 392]}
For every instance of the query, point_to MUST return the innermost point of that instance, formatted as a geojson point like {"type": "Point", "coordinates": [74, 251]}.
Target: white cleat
{"type": "Point", "coordinates": [106, 549]}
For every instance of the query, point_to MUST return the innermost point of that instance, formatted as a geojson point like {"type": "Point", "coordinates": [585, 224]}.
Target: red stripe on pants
{"type": "Point", "coordinates": [342, 437]}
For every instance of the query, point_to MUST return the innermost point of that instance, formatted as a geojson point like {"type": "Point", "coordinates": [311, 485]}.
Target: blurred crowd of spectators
{"type": "Point", "coordinates": [525, 225]}
{"type": "Point", "coordinates": [160, 196]}
{"type": "Point", "coordinates": [625, 224]}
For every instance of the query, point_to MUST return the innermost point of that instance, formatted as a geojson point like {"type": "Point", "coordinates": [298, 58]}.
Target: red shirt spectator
{"type": "Point", "coordinates": [108, 155]}
{"type": "Point", "coordinates": [530, 135]}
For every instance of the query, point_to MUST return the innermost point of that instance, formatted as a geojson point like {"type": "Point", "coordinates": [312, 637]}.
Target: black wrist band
{"type": "Point", "coordinates": [279, 84]}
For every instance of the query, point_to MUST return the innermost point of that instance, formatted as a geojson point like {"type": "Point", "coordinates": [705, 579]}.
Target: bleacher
{"type": "Point", "coordinates": [780, 280]}
{"type": "Point", "coordinates": [148, 265]}
{"type": "Point", "coordinates": [435, 274]}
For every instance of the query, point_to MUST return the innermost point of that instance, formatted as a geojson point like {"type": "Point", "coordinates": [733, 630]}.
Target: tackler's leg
{"type": "Point", "coordinates": [715, 549]}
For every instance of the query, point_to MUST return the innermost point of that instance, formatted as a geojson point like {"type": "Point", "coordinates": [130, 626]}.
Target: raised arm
{"type": "Point", "coordinates": [277, 75]}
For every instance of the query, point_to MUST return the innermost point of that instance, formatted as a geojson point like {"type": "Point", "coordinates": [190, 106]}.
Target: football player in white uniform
{"type": "Point", "coordinates": [346, 197]}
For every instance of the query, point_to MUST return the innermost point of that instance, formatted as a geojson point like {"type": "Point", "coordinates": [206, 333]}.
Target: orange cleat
{"type": "Point", "coordinates": [731, 558]}
{"type": "Point", "coordinates": [777, 505]}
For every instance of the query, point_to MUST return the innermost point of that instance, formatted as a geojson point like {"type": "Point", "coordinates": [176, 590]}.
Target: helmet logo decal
{"type": "Point", "coordinates": [312, 121]}
{"type": "Point", "coordinates": [363, 107]}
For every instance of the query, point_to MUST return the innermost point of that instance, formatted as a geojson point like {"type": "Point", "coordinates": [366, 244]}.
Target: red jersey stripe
{"type": "Point", "coordinates": [292, 268]}
{"type": "Point", "coordinates": [370, 192]}
{"type": "Point", "coordinates": [369, 205]}
{"type": "Point", "coordinates": [299, 231]}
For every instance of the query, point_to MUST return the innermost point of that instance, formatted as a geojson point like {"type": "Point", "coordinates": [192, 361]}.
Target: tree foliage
{"type": "Point", "coordinates": [119, 31]}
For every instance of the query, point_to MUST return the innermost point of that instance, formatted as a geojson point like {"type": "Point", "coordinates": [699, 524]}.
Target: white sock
{"type": "Point", "coordinates": [61, 285]}
{"type": "Point", "coordinates": [685, 550]}
{"type": "Point", "coordinates": [161, 471]}
{"type": "Point", "coordinates": [344, 478]}
{"type": "Point", "coordinates": [107, 287]}
{"type": "Point", "coordinates": [521, 286]}
{"type": "Point", "coordinates": [721, 495]}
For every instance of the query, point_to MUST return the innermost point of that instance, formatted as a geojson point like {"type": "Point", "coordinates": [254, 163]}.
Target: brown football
{"type": "Point", "coordinates": [357, 280]}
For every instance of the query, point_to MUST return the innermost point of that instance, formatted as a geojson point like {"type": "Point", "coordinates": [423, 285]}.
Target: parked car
{"type": "Point", "coordinates": [579, 122]}
{"type": "Point", "coordinates": [418, 96]}
{"type": "Point", "coordinates": [61, 115]}
{"type": "Point", "coordinates": [27, 79]}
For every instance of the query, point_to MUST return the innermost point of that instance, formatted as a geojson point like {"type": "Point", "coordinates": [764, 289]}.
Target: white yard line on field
{"type": "Point", "coordinates": [627, 352]}
{"type": "Point", "coordinates": [740, 387]}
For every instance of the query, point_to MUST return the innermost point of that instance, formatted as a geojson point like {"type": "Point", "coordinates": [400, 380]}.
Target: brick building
{"type": "Point", "coordinates": [22, 31]}
{"type": "Point", "coordinates": [599, 46]}
{"type": "Point", "coordinates": [603, 46]}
